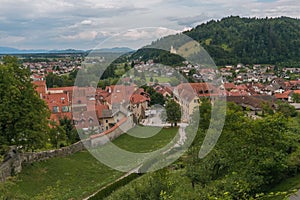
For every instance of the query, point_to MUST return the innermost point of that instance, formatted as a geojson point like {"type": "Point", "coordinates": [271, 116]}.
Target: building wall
{"type": "Point", "coordinates": [137, 109]}
{"type": "Point", "coordinates": [113, 133]}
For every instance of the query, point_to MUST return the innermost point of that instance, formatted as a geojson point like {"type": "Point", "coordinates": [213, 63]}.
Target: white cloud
{"type": "Point", "coordinates": [86, 22]}
{"type": "Point", "coordinates": [42, 22]}
{"type": "Point", "coordinates": [86, 35]}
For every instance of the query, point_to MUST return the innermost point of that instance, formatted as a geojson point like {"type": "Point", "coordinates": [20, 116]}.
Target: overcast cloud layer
{"type": "Point", "coordinates": [62, 24]}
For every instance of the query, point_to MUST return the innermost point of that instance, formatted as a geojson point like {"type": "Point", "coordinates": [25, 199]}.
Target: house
{"type": "Point", "coordinates": [139, 103]}
{"type": "Point", "coordinates": [164, 90]}
{"type": "Point", "coordinates": [285, 96]}
{"type": "Point", "coordinates": [253, 103]}
{"type": "Point", "coordinates": [188, 98]}
{"type": "Point", "coordinates": [108, 118]}
{"type": "Point", "coordinates": [58, 101]}
{"type": "Point", "coordinates": [229, 86]}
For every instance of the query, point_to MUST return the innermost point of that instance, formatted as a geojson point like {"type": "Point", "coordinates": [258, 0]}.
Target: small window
{"type": "Point", "coordinates": [106, 121]}
{"type": "Point", "coordinates": [65, 109]}
{"type": "Point", "coordinates": [55, 109]}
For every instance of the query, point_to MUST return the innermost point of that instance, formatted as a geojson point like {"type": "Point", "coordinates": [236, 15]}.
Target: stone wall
{"type": "Point", "coordinates": [14, 163]}
{"type": "Point", "coordinates": [121, 127]}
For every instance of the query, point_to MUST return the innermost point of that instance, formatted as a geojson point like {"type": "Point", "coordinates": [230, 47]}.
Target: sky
{"type": "Point", "coordinates": [87, 24]}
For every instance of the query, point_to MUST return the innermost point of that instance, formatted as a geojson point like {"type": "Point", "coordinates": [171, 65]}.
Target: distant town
{"type": "Point", "coordinates": [251, 86]}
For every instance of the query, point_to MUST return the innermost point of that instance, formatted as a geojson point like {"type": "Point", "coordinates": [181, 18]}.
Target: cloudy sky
{"type": "Point", "coordinates": [85, 24]}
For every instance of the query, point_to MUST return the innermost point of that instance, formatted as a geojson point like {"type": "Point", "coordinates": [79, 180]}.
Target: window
{"type": "Point", "coordinates": [65, 109]}
{"type": "Point", "coordinates": [106, 121]}
{"type": "Point", "coordinates": [55, 109]}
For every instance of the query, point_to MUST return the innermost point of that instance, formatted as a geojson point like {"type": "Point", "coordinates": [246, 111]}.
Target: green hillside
{"type": "Point", "coordinates": [235, 40]}
{"type": "Point", "coordinates": [250, 40]}
{"type": "Point", "coordinates": [254, 159]}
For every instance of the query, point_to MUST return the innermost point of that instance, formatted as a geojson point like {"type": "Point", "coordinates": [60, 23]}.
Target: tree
{"type": "Point", "coordinates": [126, 67]}
{"type": "Point", "coordinates": [24, 116]}
{"type": "Point", "coordinates": [156, 98]}
{"type": "Point", "coordinates": [205, 113]}
{"type": "Point", "coordinates": [296, 98]}
{"type": "Point", "coordinates": [173, 112]}
{"type": "Point", "coordinates": [267, 109]}
{"type": "Point", "coordinates": [132, 64]}
{"type": "Point", "coordinates": [57, 135]}
{"type": "Point", "coordinates": [71, 133]}
{"type": "Point", "coordinates": [287, 110]}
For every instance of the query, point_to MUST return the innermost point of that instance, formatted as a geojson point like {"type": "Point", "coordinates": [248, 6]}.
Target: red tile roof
{"type": "Point", "coordinates": [284, 95]}
{"type": "Point", "coordinates": [229, 86]}
{"type": "Point", "coordinates": [40, 87]}
{"type": "Point", "coordinates": [296, 91]}
{"type": "Point", "coordinates": [138, 98]}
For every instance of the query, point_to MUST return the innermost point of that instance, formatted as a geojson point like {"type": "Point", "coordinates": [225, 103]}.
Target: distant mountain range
{"type": "Point", "coordinates": [9, 50]}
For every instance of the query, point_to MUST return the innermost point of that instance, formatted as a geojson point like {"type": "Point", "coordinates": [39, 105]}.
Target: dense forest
{"type": "Point", "coordinates": [234, 40]}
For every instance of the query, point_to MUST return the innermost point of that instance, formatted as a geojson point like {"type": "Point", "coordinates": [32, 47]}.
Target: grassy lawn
{"type": "Point", "coordinates": [75, 176]}
{"type": "Point", "coordinates": [160, 79]}
{"type": "Point", "coordinates": [79, 175]}
{"type": "Point", "coordinates": [144, 145]}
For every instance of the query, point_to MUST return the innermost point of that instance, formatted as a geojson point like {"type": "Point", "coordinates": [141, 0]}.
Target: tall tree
{"type": "Point", "coordinates": [173, 112]}
{"type": "Point", "coordinates": [23, 116]}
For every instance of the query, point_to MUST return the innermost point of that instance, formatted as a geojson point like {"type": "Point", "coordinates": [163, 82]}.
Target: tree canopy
{"type": "Point", "coordinates": [234, 40]}
{"type": "Point", "coordinates": [173, 112]}
{"type": "Point", "coordinates": [23, 116]}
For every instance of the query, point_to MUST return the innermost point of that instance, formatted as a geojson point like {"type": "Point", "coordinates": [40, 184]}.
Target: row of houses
{"type": "Point", "coordinates": [249, 96]}
{"type": "Point", "coordinates": [100, 109]}
{"type": "Point", "coordinates": [62, 66]}
{"type": "Point", "coordinates": [93, 109]}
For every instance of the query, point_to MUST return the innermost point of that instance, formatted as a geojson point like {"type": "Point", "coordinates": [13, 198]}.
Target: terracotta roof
{"type": "Point", "coordinates": [296, 91]}
{"type": "Point", "coordinates": [100, 108]}
{"type": "Point", "coordinates": [237, 93]}
{"type": "Point", "coordinates": [187, 95]}
{"type": "Point", "coordinates": [40, 87]}
{"type": "Point", "coordinates": [253, 102]}
{"type": "Point", "coordinates": [199, 88]}
{"type": "Point", "coordinates": [284, 95]}
{"type": "Point", "coordinates": [229, 86]}
{"type": "Point", "coordinates": [67, 89]}
{"type": "Point", "coordinates": [119, 93]}
{"type": "Point", "coordinates": [138, 98]}
{"type": "Point", "coordinates": [295, 82]}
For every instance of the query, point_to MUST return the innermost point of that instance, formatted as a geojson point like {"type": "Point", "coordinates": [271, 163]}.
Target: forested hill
{"type": "Point", "coordinates": [235, 40]}
{"type": "Point", "coordinates": [250, 40]}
